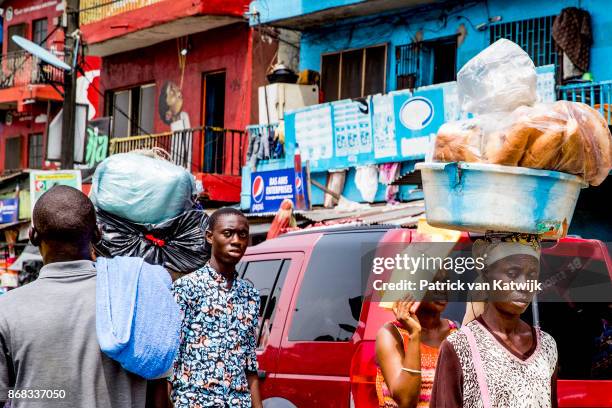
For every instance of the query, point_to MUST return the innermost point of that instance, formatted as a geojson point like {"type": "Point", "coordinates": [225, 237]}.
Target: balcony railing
{"type": "Point", "coordinates": [596, 94]}
{"type": "Point", "coordinates": [93, 11]}
{"type": "Point", "coordinates": [21, 68]}
{"type": "Point", "coordinates": [223, 151]}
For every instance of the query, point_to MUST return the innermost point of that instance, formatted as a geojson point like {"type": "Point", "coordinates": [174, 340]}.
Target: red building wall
{"type": "Point", "coordinates": [23, 124]}
{"type": "Point", "coordinates": [26, 11]}
{"type": "Point", "coordinates": [221, 49]}
{"type": "Point", "coordinates": [232, 49]}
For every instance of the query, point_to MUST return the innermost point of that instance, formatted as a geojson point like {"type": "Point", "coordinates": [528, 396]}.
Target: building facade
{"type": "Point", "coordinates": [26, 98]}
{"type": "Point", "coordinates": [181, 76]}
{"type": "Point", "coordinates": [374, 56]}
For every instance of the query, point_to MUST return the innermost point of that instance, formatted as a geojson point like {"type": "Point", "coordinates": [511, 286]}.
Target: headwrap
{"type": "Point", "coordinates": [499, 245]}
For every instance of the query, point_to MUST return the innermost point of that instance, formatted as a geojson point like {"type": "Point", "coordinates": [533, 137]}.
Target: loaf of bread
{"type": "Point", "coordinates": [587, 145]}
{"type": "Point", "coordinates": [598, 155]}
{"type": "Point", "coordinates": [458, 141]}
{"type": "Point", "coordinates": [508, 147]}
{"type": "Point", "coordinates": [543, 151]}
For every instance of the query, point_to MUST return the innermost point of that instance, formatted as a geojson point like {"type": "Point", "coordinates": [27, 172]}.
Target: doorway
{"type": "Point", "coordinates": [214, 120]}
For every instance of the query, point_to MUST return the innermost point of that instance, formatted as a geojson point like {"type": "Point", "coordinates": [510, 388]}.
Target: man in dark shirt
{"type": "Point", "coordinates": [49, 353]}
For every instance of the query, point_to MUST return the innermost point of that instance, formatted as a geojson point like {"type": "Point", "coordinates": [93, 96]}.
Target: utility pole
{"type": "Point", "coordinates": [71, 10]}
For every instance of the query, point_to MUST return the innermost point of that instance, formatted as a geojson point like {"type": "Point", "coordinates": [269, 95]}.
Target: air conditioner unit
{"type": "Point", "coordinates": [280, 98]}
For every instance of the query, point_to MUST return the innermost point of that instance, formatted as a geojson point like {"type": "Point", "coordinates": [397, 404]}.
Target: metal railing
{"type": "Point", "coordinates": [221, 151]}
{"type": "Point", "coordinates": [22, 68]}
{"type": "Point", "coordinates": [596, 94]}
{"type": "Point", "coordinates": [533, 35]}
{"type": "Point", "coordinates": [93, 11]}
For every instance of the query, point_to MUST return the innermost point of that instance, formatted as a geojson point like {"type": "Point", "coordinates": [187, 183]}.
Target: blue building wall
{"type": "Point", "coordinates": [272, 10]}
{"type": "Point", "coordinates": [398, 28]}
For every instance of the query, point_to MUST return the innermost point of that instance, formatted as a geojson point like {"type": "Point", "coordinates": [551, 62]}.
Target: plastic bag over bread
{"type": "Point", "coordinates": [570, 137]}
{"type": "Point", "coordinates": [498, 86]}
{"type": "Point", "coordinates": [500, 78]}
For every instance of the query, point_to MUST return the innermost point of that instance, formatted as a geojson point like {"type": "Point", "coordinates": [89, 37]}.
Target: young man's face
{"type": "Point", "coordinates": [229, 238]}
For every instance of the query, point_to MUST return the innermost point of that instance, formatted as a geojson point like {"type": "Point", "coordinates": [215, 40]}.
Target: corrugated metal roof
{"type": "Point", "coordinates": [376, 214]}
{"type": "Point", "coordinates": [397, 214]}
{"type": "Point", "coordinates": [271, 214]}
{"type": "Point", "coordinates": [405, 214]}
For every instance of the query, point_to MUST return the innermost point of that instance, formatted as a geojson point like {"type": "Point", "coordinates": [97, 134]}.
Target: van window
{"type": "Point", "coordinates": [583, 332]}
{"type": "Point", "coordinates": [581, 327]}
{"type": "Point", "coordinates": [330, 298]}
{"type": "Point", "coordinates": [268, 277]}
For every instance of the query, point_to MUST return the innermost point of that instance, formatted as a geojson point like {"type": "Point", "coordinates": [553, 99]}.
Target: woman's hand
{"type": "Point", "coordinates": [405, 313]}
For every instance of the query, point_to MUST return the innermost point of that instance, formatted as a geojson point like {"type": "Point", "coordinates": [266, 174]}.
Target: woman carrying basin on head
{"type": "Point", "coordinates": [498, 360]}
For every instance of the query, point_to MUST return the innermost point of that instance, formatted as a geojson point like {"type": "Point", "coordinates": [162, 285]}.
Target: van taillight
{"type": "Point", "coordinates": [363, 376]}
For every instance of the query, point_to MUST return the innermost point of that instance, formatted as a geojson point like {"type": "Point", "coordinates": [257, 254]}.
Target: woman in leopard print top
{"type": "Point", "coordinates": [497, 360]}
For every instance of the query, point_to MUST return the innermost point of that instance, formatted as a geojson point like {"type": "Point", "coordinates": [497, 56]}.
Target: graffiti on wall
{"type": "Point", "coordinates": [98, 135]}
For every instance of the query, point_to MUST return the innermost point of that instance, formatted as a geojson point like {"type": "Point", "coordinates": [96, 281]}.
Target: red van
{"type": "Point", "coordinates": [317, 334]}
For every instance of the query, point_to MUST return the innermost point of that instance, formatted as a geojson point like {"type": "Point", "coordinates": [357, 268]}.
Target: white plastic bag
{"type": "Point", "coordinates": [366, 180]}
{"type": "Point", "coordinates": [500, 78]}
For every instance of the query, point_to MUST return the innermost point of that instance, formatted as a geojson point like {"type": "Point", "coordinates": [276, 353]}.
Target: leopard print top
{"type": "Point", "coordinates": [511, 382]}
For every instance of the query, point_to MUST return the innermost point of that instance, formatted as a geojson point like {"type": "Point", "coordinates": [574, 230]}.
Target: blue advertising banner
{"type": "Point", "coordinates": [9, 210]}
{"type": "Point", "coordinates": [270, 188]}
{"type": "Point", "coordinates": [393, 127]}
{"type": "Point", "coordinates": [382, 128]}
{"type": "Point", "coordinates": [417, 120]}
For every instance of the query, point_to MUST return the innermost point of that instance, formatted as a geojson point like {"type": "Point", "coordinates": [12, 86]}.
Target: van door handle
{"type": "Point", "coordinates": [261, 374]}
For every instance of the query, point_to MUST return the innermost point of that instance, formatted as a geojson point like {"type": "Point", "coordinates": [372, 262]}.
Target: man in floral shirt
{"type": "Point", "coordinates": [217, 365]}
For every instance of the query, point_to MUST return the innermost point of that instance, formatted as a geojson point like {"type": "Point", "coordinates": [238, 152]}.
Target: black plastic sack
{"type": "Point", "coordinates": [178, 244]}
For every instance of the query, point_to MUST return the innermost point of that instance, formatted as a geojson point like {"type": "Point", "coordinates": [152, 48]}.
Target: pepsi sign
{"type": "Point", "coordinates": [257, 189]}
{"type": "Point", "coordinates": [270, 188]}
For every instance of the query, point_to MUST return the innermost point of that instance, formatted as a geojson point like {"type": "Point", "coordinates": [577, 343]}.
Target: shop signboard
{"type": "Point", "coordinates": [382, 128]}
{"type": "Point", "coordinates": [43, 180]}
{"type": "Point", "coordinates": [270, 188]}
{"type": "Point", "coordinates": [9, 210]}
{"type": "Point", "coordinates": [418, 116]}
{"type": "Point", "coordinates": [378, 129]}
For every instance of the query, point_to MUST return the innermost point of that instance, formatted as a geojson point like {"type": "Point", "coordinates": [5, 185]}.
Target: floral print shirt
{"type": "Point", "coordinates": [217, 341]}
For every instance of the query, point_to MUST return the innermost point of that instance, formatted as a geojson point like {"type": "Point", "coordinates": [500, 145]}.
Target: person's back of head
{"type": "Point", "coordinates": [64, 225]}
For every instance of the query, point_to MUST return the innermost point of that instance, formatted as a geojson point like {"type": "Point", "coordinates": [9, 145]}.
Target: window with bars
{"type": "Point", "coordinates": [534, 35]}
{"type": "Point", "coordinates": [35, 151]}
{"type": "Point", "coordinates": [426, 62]}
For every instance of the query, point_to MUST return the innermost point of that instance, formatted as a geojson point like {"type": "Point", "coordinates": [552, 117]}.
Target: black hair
{"type": "Point", "coordinates": [64, 214]}
{"type": "Point", "coordinates": [162, 104]}
{"type": "Point", "coordinates": [222, 212]}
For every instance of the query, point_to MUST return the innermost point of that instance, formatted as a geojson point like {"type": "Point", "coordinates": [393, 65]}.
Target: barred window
{"type": "Point", "coordinates": [534, 35]}
{"type": "Point", "coordinates": [426, 62]}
